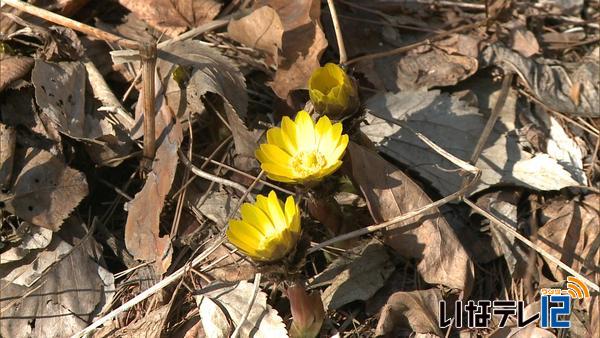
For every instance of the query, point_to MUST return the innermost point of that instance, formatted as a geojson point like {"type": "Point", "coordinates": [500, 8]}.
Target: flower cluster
{"type": "Point", "coordinates": [299, 152]}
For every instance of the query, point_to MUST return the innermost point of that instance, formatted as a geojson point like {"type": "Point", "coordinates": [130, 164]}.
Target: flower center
{"type": "Point", "coordinates": [306, 163]}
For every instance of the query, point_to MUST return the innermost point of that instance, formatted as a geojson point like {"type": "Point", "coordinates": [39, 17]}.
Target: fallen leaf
{"type": "Point", "coordinates": [142, 233]}
{"type": "Point", "coordinates": [355, 279]}
{"type": "Point", "coordinates": [550, 82]}
{"type": "Point", "coordinates": [261, 29]}
{"type": "Point", "coordinates": [8, 140]}
{"type": "Point", "coordinates": [570, 233]}
{"type": "Point", "coordinates": [503, 204]}
{"type": "Point", "coordinates": [563, 148]}
{"type": "Point", "coordinates": [229, 267]}
{"type": "Point", "coordinates": [446, 120]}
{"type": "Point", "coordinates": [217, 206]}
{"type": "Point", "coordinates": [67, 296]}
{"type": "Point", "coordinates": [46, 190]}
{"type": "Point", "coordinates": [524, 42]}
{"type": "Point", "coordinates": [34, 237]}
{"type": "Point", "coordinates": [173, 17]}
{"type": "Point", "coordinates": [417, 310]}
{"type": "Point", "coordinates": [222, 307]}
{"type": "Point", "coordinates": [148, 326]}
{"type": "Point", "coordinates": [530, 331]}
{"type": "Point", "coordinates": [427, 237]}
{"type": "Point", "coordinates": [60, 93]}
{"type": "Point", "coordinates": [207, 71]}
{"type": "Point", "coordinates": [13, 68]}
{"type": "Point", "coordinates": [303, 42]}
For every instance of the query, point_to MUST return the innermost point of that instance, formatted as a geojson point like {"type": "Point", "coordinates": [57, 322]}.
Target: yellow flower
{"type": "Point", "coordinates": [268, 229]}
{"type": "Point", "coordinates": [332, 91]}
{"type": "Point", "coordinates": [302, 151]}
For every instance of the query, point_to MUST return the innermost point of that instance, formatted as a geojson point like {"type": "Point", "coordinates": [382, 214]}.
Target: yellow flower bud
{"type": "Point", "coordinates": [268, 229]}
{"type": "Point", "coordinates": [301, 151]}
{"type": "Point", "coordinates": [332, 91]}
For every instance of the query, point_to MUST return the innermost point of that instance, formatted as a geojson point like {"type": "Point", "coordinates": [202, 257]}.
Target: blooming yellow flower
{"type": "Point", "coordinates": [302, 151]}
{"type": "Point", "coordinates": [268, 229]}
{"type": "Point", "coordinates": [332, 91]}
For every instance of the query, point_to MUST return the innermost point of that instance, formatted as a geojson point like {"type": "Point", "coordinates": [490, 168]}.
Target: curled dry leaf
{"type": "Point", "coordinates": [222, 307]}
{"type": "Point", "coordinates": [8, 139]}
{"type": "Point", "coordinates": [229, 267]}
{"type": "Point", "coordinates": [503, 204]}
{"type": "Point", "coordinates": [302, 44]}
{"type": "Point", "coordinates": [261, 29]}
{"type": "Point", "coordinates": [571, 234]}
{"type": "Point", "coordinates": [446, 120]}
{"type": "Point", "coordinates": [142, 233]}
{"type": "Point", "coordinates": [46, 190]}
{"type": "Point", "coordinates": [356, 279]}
{"type": "Point", "coordinates": [530, 331]}
{"type": "Point", "coordinates": [173, 17]}
{"type": "Point", "coordinates": [60, 92]}
{"type": "Point", "coordinates": [13, 68]}
{"type": "Point", "coordinates": [417, 310]}
{"type": "Point", "coordinates": [34, 237]}
{"type": "Point", "coordinates": [428, 237]}
{"type": "Point", "coordinates": [550, 82]}
{"type": "Point", "coordinates": [67, 296]}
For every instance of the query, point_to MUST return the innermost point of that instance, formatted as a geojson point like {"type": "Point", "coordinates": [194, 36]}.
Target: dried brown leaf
{"type": "Point", "coordinates": [417, 310]}
{"type": "Point", "coordinates": [229, 267]}
{"type": "Point", "coordinates": [524, 42]}
{"type": "Point", "coordinates": [261, 29]}
{"type": "Point", "coordinates": [550, 82]}
{"type": "Point", "coordinates": [142, 233]}
{"type": "Point", "coordinates": [46, 190]}
{"type": "Point", "coordinates": [174, 16]}
{"type": "Point", "coordinates": [8, 139]}
{"type": "Point", "coordinates": [67, 296]}
{"type": "Point", "coordinates": [303, 42]}
{"type": "Point", "coordinates": [358, 279]}
{"type": "Point", "coordinates": [428, 237]}
{"type": "Point", "coordinates": [572, 234]}
{"type": "Point", "coordinates": [222, 307]}
{"type": "Point", "coordinates": [13, 68]}
{"type": "Point", "coordinates": [446, 120]}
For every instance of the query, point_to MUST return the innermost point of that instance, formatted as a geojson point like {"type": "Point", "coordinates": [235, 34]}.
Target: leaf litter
{"type": "Point", "coordinates": [72, 137]}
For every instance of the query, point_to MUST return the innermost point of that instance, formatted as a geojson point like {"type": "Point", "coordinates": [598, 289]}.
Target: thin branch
{"type": "Point", "coordinates": [70, 23]}
{"type": "Point", "coordinates": [387, 224]}
{"type": "Point", "coordinates": [522, 238]}
{"type": "Point", "coordinates": [416, 44]}
{"type": "Point", "coordinates": [148, 58]}
{"type": "Point", "coordinates": [211, 177]}
{"type": "Point", "coordinates": [239, 325]}
{"type": "Point", "coordinates": [338, 32]}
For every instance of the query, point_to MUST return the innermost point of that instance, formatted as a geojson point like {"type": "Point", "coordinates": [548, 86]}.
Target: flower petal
{"type": "Point", "coordinates": [238, 236]}
{"type": "Point", "coordinates": [337, 153]}
{"type": "Point", "coordinates": [275, 154]}
{"type": "Point", "coordinates": [276, 212]}
{"type": "Point", "coordinates": [254, 216]}
{"type": "Point", "coordinates": [275, 169]}
{"type": "Point", "coordinates": [330, 170]}
{"type": "Point", "coordinates": [289, 128]}
{"type": "Point", "coordinates": [322, 128]}
{"type": "Point", "coordinates": [305, 131]}
{"type": "Point", "coordinates": [291, 211]}
{"type": "Point", "coordinates": [330, 140]}
{"type": "Point", "coordinates": [277, 137]}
